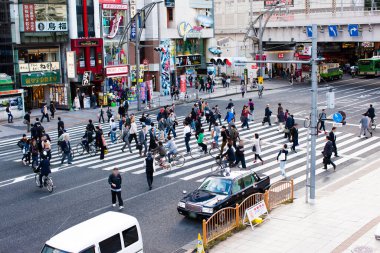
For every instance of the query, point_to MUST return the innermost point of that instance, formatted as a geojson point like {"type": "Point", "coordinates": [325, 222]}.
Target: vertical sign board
{"type": "Point", "coordinates": [182, 84]}
{"type": "Point", "coordinates": [255, 212]}
{"type": "Point", "coordinates": [133, 31]}
{"type": "Point", "coordinates": [71, 66]}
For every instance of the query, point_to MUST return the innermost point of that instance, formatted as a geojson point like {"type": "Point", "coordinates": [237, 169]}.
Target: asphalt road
{"type": "Point", "coordinates": [30, 216]}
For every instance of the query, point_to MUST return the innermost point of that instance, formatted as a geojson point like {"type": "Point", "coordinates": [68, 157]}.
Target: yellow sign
{"type": "Point", "coordinates": [200, 248]}
{"type": "Point", "coordinates": [260, 80]}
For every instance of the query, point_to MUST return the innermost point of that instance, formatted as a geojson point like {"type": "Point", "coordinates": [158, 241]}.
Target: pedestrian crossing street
{"type": "Point", "coordinates": [350, 148]}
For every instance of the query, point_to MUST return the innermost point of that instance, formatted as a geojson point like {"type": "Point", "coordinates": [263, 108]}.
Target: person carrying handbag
{"type": "Point", "coordinates": [282, 157]}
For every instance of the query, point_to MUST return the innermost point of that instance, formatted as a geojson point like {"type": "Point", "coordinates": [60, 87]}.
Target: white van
{"type": "Point", "coordinates": [109, 232]}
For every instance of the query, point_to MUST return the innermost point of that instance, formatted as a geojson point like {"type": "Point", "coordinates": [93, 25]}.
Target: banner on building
{"type": "Point", "coordinates": [149, 85]}
{"type": "Point", "coordinates": [38, 66]}
{"type": "Point", "coordinates": [182, 84]}
{"type": "Point", "coordinates": [43, 18]}
{"type": "Point", "coordinates": [71, 66]}
{"type": "Point", "coordinates": [165, 67]}
{"type": "Point", "coordinates": [142, 91]}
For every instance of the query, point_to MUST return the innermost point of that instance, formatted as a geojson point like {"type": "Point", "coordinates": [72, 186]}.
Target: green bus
{"type": "Point", "coordinates": [369, 67]}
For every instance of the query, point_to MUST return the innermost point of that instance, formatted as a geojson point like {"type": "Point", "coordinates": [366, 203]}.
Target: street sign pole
{"type": "Point", "coordinates": [137, 60]}
{"type": "Point", "coordinates": [313, 126]}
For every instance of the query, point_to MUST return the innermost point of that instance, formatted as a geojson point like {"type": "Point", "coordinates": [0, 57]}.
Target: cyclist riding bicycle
{"type": "Point", "coordinates": [371, 112]}
{"type": "Point", "coordinates": [161, 152]}
{"type": "Point", "coordinates": [230, 156]}
{"type": "Point", "coordinates": [43, 167]}
{"type": "Point", "coordinates": [171, 146]}
{"type": "Point", "coordinates": [200, 141]}
{"type": "Point", "coordinates": [87, 139]}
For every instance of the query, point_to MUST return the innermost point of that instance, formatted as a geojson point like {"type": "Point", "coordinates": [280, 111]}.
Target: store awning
{"type": "Point", "coordinates": [236, 61]}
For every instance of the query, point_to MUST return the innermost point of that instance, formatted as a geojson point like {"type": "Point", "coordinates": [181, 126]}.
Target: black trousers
{"type": "Point", "coordinates": [257, 156]}
{"type": "Point", "coordinates": [101, 117]}
{"type": "Point", "coordinates": [322, 125]}
{"type": "Point", "coordinates": [45, 116]}
{"type": "Point", "coordinates": [118, 194]}
{"type": "Point", "coordinates": [133, 137]}
{"type": "Point", "coordinates": [102, 152]}
{"type": "Point", "coordinates": [149, 178]}
{"type": "Point", "coordinates": [335, 149]}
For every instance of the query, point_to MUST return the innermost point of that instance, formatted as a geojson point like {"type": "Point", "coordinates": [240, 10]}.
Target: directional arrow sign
{"type": "Point", "coordinates": [337, 117]}
{"type": "Point", "coordinates": [333, 30]}
{"type": "Point", "coordinates": [309, 31]}
{"type": "Point", "coordinates": [353, 30]}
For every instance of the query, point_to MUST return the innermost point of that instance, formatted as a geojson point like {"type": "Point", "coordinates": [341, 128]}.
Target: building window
{"type": "Point", "coordinates": [170, 14]}
{"type": "Point", "coordinates": [38, 55]}
{"type": "Point", "coordinates": [170, 17]}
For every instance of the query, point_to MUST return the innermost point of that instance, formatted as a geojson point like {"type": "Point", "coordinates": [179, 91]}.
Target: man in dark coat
{"type": "Point", "coordinates": [61, 126]}
{"type": "Point", "coordinates": [44, 167]}
{"type": "Point", "coordinates": [268, 113]}
{"type": "Point", "coordinates": [294, 137]}
{"type": "Point", "coordinates": [288, 125]}
{"type": "Point", "coordinates": [327, 153]}
{"type": "Point", "coordinates": [149, 161]}
{"type": "Point", "coordinates": [332, 137]}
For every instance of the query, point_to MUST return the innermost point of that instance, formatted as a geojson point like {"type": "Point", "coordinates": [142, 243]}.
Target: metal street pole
{"type": "Point", "coordinates": [159, 42]}
{"type": "Point", "coordinates": [128, 45]}
{"type": "Point", "coordinates": [137, 60]}
{"type": "Point", "coordinates": [261, 32]}
{"type": "Point", "coordinates": [313, 126]}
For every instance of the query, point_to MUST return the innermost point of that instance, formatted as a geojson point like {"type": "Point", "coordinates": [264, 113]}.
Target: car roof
{"type": "Point", "coordinates": [233, 174]}
{"type": "Point", "coordinates": [85, 234]}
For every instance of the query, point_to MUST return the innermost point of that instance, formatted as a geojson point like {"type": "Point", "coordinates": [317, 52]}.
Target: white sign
{"type": "Point", "coordinates": [38, 66]}
{"type": "Point", "coordinates": [255, 212]}
{"type": "Point", "coordinates": [133, 8]}
{"type": "Point", "coordinates": [337, 124]}
{"type": "Point", "coordinates": [71, 66]}
{"type": "Point", "coordinates": [117, 70]}
{"type": "Point", "coordinates": [48, 26]}
{"type": "Point", "coordinates": [115, 6]}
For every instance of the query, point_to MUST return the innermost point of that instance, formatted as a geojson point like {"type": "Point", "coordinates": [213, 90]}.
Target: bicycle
{"type": "Point", "coordinates": [214, 150]}
{"type": "Point", "coordinates": [81, 148]}
{"type": "Point", "coordinates": [46, 182]}
{"type": "Point", "coordinates": [373, 124]}
{"type": "Point", "coordinates": [177, 160]}
{"type": "Point", "coordinates": [162, 162]}
{"type": "Point", "coordinates": [197, 152]}
{"type": "Point", "coordinates": [221, 166]}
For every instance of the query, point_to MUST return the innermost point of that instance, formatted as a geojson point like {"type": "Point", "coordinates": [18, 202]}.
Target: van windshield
{"type": "Point", "coordinates": [49, 249]}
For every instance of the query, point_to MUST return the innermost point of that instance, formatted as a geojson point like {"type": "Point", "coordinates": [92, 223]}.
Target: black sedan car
{"type": "Point", "coordinates": [217, 192]}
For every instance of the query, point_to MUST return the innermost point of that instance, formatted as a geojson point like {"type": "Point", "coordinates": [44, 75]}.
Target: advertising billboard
{"type": "Point", "coordinates": [270, 3]}
{"type": "Point", "coordinates": [43, 18]}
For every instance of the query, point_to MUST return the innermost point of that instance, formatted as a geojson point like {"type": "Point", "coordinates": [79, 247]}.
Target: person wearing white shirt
{"type": "Point", "coordinates": [133, 131]}
{"type": "Point", "coordinates": [187, 134]}
{"type": "Point", "coordinates": [113, 127]}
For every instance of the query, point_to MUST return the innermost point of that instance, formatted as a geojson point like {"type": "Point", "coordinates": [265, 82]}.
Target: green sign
{"type": "Point", "coordinates": [5, 79]}
{"type": "Point", "coordinates": [34, 79]}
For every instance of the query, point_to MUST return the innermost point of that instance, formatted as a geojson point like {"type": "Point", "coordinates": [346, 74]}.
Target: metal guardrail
{"type": "Point", "coordinates": [227, 219]}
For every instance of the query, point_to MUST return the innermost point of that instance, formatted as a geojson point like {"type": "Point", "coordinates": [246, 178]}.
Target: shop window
{"type": "Point", "coordinates": [113, 55]}
{"type": "Point", "coordinates": [91, 25]}
{"type": "Point", "coordinates": [170, 17]}
{"type": "Point", "coordinates": [114, 22]}
{"type": "Point", "coordinates": [81, 56]}
{"type": "Point", "coordinates": [92, 57]}
{"type": "Point", "coordinates": [38, 55]}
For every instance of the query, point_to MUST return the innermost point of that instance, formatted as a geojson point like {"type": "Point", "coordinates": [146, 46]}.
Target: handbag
{"type": "Point", "coordinates": [105, 150]}
{"type": "Point", "coordinates": [139, 146]}
{"type": "Point", "coordinates": [286, 130]}
{"type": "Point", "coordinates": [254, 148]}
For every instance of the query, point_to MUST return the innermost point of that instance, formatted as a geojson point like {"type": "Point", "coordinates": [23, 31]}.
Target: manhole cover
{"type": "Point", "coordinates": [362, 249]}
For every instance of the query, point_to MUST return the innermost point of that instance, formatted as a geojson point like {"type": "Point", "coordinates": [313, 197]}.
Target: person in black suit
{"type": "Point", "coordinates": [61, 127]}
{"type": "Point", "coordinates": [332, 137]}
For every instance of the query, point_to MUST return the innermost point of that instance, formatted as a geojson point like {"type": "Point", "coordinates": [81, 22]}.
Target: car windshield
{"type": "Point", "coordinates": [216, 185]}
{"type": "Point", "coordinates": [49, 249]}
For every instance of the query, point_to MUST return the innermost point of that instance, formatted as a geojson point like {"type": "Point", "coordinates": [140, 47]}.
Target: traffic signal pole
{"type": "Point", "coordinates": [314, 110]}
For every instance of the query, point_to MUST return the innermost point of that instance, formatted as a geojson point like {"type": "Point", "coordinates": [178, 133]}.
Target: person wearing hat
{"type": "Point", "coordinates": [142, 140]}
{"type": "Point", "coordinates": [44, 167]}
{"type": "Point", "coordinates": [149, 169]}
{"type": "Point", "coordinates": [115, 181]}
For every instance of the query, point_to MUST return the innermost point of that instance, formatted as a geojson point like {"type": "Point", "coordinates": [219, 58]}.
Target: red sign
{"type": "Point", "coordinates": [29, 18]}
{"type": "Point", "coordinates": [146, 62]}
{"type": "Point", "coordinates": [296, 54]}
{"type": "Point", "coordinates": [280, 55]}
{"type": "Point", "coordinates": [182, 84]}
{"type": "Point", "coordinates": [110, 1]}
{"type": "Point", "coordinates": [263, 57]}
{"type": "Point", "coordinates": [117, 71]}
{"type": "Point", "coordinates": [254, 66]}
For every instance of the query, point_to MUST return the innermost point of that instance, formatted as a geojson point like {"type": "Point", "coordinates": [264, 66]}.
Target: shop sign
{"type": "Point", "coordinates": [115, 6]}
{"type": "Point", "coordinates": [88, 43]}
{"type": "Point", "coordinates": [38, 66]}
{"type": "Point", "coordinates": [71, 66]}
{"type": "Point", "coordinates": [185, 30]}
{"type": "Point", "coordinates": [132, 6]}
{"type": "Point", "coordinates": [142, 91]}
{"type": "Point", "coordinates": [86, 78]}
{"type": "Point", "coordinates": [44, 18]}
{"type": "Point", "coordinates": [169, 3]}
{"type": "Point", "coordinates": [182, 84]}
{"type": "Point", "coordinates": [188, 60]}
{"type": "Point", "coordinates": [280, 56]}
{"type": "Point", "coordinates": [368, 44]}
{"type": "Point", "coordinates": [110, 1]}
{"type": "Point", "coordinates": [133, 72]}
{"type": "Point", "coordinates": [35, 79]}
{"type": "Point", "coordinates": [271, 3]}
{"type": "Point", "coordinates": [117, 70]}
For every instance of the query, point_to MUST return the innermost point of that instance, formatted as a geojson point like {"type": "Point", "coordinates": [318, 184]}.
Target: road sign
{"type": "Point", "coordinates": [309, 31]}
{"type": "Point", "coordinates": [333, 30]}
{"type": "Point", "coordinates": [337, 117]}
{"type": "Point", "coordinates": [353, 30]}
{"type": "Point", "coordinates": [254, 212]}
{"type": "Point", "coordinates": [133, 31]}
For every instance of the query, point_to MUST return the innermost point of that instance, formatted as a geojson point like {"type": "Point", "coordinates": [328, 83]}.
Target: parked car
{"type": "Point", "coordinates": [217, 192]}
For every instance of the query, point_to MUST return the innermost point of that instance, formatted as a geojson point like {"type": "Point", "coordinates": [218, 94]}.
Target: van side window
{"type": "Point", "coordinates": [110, 245]}
{"type": "Point", "coordinates": [89, 250]}
{"type": "Point", "coordinates": [130, 236]}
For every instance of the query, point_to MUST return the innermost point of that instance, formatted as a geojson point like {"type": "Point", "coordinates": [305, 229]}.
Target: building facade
{"type": "Point", "coordinates": [347, 31]}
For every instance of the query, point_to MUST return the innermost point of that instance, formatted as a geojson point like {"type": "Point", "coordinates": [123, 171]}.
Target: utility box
{"type": "Point", "coordinates": [330, 100]}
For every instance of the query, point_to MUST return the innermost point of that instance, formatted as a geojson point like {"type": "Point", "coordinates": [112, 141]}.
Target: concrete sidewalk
{"type": "Point", "coordinates": [343, 219]}
{"type": "Point", "coordinates": [73, 118]}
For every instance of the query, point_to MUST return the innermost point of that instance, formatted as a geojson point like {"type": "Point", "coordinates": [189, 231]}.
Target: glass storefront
{"type": "Point", "coordinates": [58, 94]}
